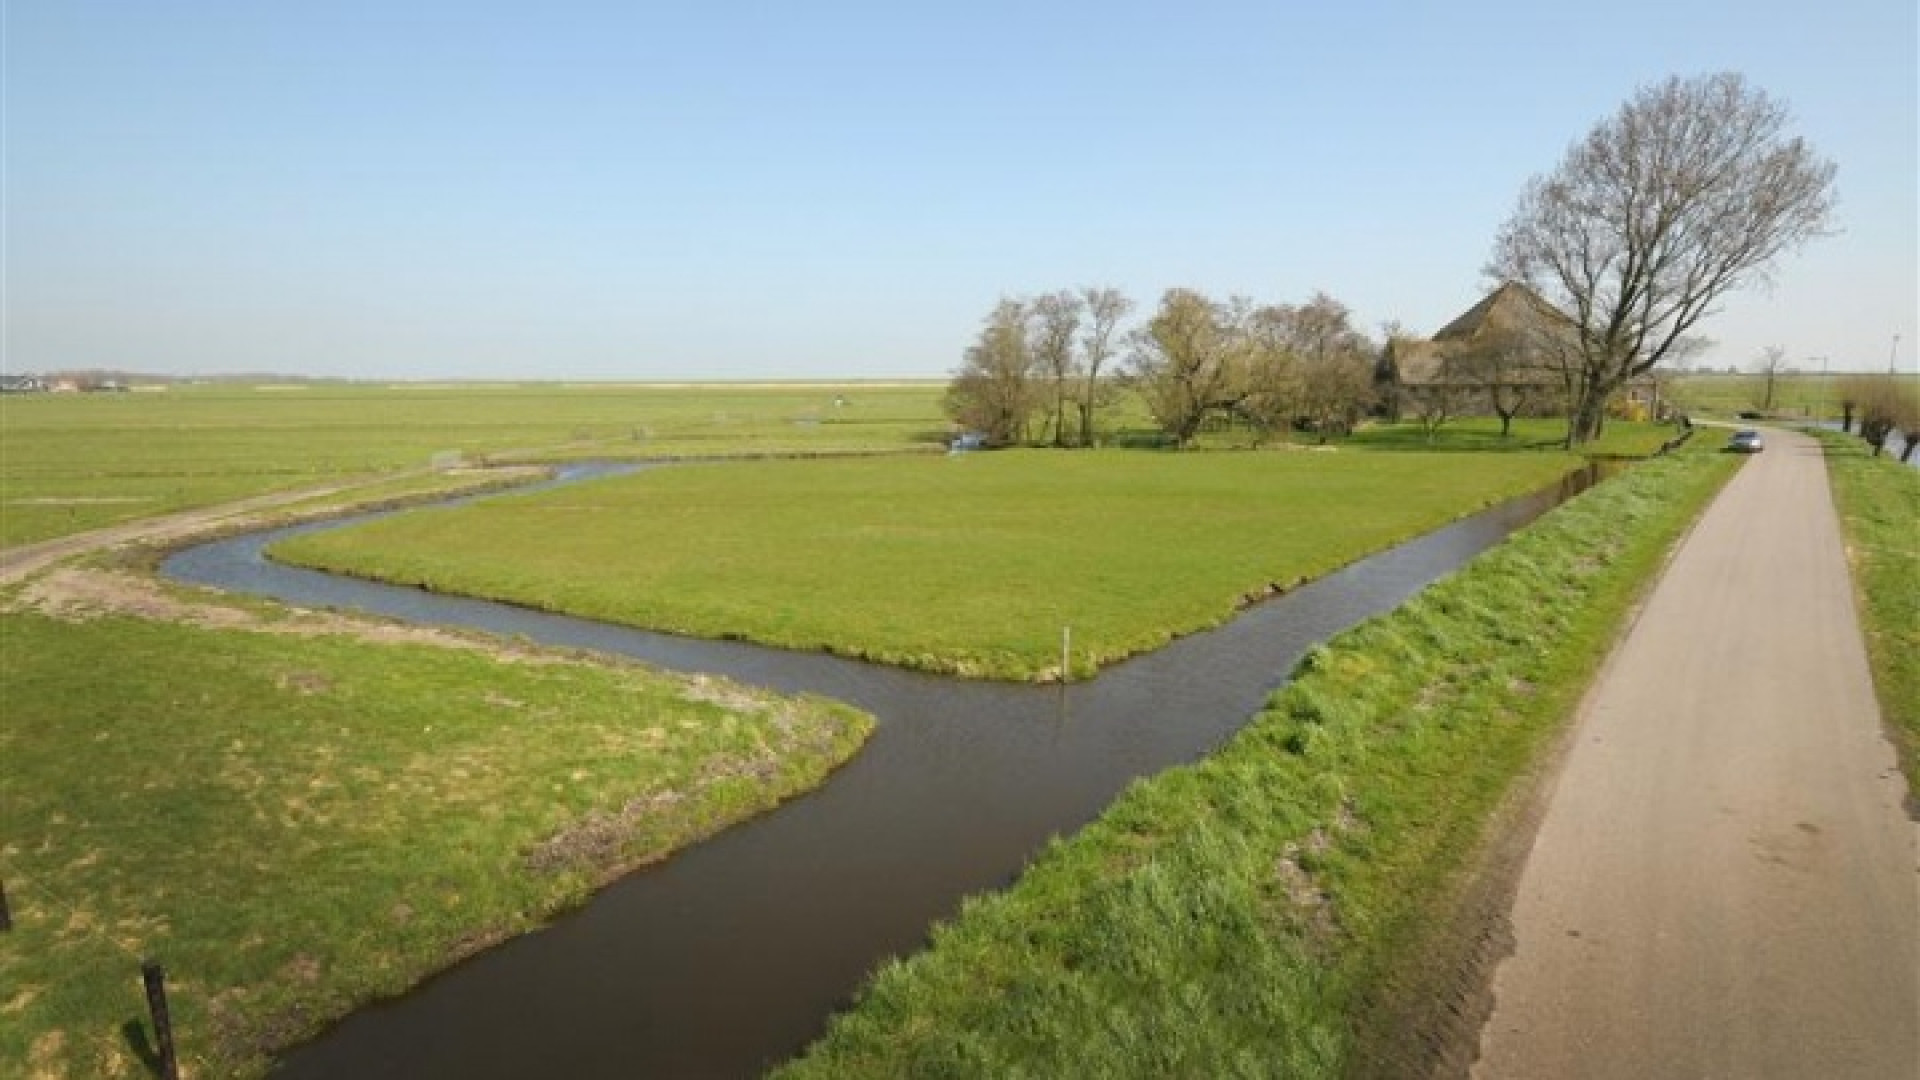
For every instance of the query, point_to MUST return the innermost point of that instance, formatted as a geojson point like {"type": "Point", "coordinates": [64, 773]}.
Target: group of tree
{"type": "Point", "coordinates": [1043, 366]}
{"type": "Point", "coordinates": [1692, 190]}
{"type": "Point", "coordinates": [1885, 406]}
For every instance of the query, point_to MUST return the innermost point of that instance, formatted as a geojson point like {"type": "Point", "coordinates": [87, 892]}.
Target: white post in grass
{"type": "Point", "coordinates": [1066, 654]}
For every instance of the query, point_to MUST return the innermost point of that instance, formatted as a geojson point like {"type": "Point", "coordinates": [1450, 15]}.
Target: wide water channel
{"type": "Point", "coordinates": [731, 956]}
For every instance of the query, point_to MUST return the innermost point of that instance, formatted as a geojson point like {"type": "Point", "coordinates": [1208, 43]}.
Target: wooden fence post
{"type": "Point", "coordinates": [155, 978]}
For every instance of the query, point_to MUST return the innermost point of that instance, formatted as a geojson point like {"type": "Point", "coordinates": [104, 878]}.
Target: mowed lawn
{"type": "Point", "coordinates": [971, 564]}
{"type": "Point", "coordinates": [295, 824]}
{"type": "Point", "coordinates": [72, 462]}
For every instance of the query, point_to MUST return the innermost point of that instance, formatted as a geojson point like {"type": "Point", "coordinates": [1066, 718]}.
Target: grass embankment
{"type": "Point", "coordinates": [1879, 503]}
{"type": "Point", "coordinates": [1243, 916]}
{"type": "Point", "coordinates": [297, 824]}
{"type": "Point", "coordinates": [970, 564]}
{"type": "Point", "coordinates": [73, 462]}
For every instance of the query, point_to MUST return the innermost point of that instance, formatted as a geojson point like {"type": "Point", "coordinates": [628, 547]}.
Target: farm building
{"type": "Point", "coordinates": [1502, 355]}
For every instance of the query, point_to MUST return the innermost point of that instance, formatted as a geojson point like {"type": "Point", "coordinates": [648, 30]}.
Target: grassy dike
{"type": "Point", "coordinates": [1879, 502]}
{"type": "Point", "coordinates": [300, 817]}
{"type": "Point", "coordinates": [1248, 915]}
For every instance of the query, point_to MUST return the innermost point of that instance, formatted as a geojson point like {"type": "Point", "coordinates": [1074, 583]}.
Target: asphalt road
{"type": "Point", "coordinates": [1725, 883]}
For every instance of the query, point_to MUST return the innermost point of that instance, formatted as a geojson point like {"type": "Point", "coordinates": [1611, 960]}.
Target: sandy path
{"type": "Point", "coordinates": [24, 559]}
{"type": "Point", "coordinates": [1725, 883]}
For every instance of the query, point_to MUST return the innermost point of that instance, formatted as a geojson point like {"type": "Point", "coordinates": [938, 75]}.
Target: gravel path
{"type": "Point", "coordinates": [1725, 883]}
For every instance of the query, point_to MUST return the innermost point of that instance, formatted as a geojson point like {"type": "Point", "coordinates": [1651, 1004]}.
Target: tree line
{"type": "Point", "coordinates": [1883, 405]}
{"type": "Point", "coordinates": [1043, 367]}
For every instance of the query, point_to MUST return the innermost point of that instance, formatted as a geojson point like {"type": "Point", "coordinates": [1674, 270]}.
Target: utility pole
{"type": "Point", "coordinates": [1892, 355]}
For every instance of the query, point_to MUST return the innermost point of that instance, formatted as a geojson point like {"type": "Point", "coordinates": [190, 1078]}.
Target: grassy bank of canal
{"type": "Point", "coordinates": [1249, 915]}
{"type": "Point", "coordinates": [970, 565]}
{"type": "Point", "coordinates": [298, 817]}
{"type": "Point", "coordinates": [1879, 502]}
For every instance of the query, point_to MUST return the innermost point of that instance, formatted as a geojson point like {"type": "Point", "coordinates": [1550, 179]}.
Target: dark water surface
{"type": "Point", "coordinates": [730, 957]}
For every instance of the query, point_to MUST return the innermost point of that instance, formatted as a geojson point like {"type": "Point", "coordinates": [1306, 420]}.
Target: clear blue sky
{"type": "Point", "coordinates": [750, 190]}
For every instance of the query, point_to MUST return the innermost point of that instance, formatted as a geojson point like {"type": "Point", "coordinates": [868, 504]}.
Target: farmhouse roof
{"type": "Point", "coordinates": [1511, 306]}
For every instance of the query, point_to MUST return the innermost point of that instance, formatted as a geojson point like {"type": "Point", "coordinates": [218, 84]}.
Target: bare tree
{"type": "Point", "coordinates": [1183, 361]}
{"type": "Point", "coordinates": [1055, 321]}
{"type": "Point", "coordinates": [1105, 309]}
{"type": "Point", "coordinates": [1888, 406]}
{"type": "Point", "coordinates": [1442, 400]}
{"type": "Point", "coordinates": [995, 392]}
{"type": "Point", "coordinates": [1502, 362]}
{"type": "Point", "coordinates": [1690, 191]}
{"type": "Point", "coordinates": [1852, 389]}
{"type": "Point", "coordinates": [1770, 365]}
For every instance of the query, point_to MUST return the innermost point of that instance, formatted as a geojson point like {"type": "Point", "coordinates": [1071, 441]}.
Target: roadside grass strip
{"type": "Point", "coordinates": [1260, 912]}
{"type": "Point", "coordinates": [1879, 504]}
{"type": "Point", "coordinates": [970, 565]}
{"type": "Point", "coordinates": [297, 825]}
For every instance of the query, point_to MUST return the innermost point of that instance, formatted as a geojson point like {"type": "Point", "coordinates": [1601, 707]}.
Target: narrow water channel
{"type": "Point", "coordinates": [730, 957]}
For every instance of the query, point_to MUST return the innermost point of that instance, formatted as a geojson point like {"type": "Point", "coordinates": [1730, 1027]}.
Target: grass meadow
{"type": "Point", "coordinates": [1255, 913]}
{"type": "Point", "coordinates": [294, 824]}
{"type": "Point", "coordinates": [970, 564]}
{"type": "Point", "coordinates": [296, 817]}
{"type": "Point", "coordinates": [72, 462]}
{"type": "Point", "coordinates": [1879, 503]}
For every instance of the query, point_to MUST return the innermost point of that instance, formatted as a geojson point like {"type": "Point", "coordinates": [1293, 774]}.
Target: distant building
{"type": "Point", "coordinates": [1513, 344]}
{"type": "Point", "coordinates": [22, 384]}
{"type": "Point", "coordinates": [1511, 340]}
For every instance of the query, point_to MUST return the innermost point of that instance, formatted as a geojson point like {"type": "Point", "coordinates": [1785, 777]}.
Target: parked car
{"type": "Point", "coordinates": [1746, 441]}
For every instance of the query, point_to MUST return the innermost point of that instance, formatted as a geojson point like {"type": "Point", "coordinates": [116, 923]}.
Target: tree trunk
{"type": "Point", "coordinates": [1583, 424]}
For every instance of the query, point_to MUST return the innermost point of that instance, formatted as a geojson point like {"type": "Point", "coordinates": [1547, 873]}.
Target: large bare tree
{"type": "Point", "coordinates": [1691, 191]}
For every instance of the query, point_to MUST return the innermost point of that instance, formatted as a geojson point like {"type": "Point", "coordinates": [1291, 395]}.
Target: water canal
{"type": "Point", "coordinates": [731, 956]}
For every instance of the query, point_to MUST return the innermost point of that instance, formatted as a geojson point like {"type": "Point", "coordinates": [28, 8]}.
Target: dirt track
{"type": "Point", "coordinates": [18, 562]}
{"type": "Point", "coordinates": [1725, 883]}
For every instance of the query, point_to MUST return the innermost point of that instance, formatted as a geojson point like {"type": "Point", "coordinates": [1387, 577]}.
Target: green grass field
{"type": "Point", "coordinates": [1253, 915]}
{"type": "Point", "coordinates": [1621, 439]}
{"type": "Point", "coordinates": [296, 824]}
{"type": "Point", "coordinates": [1879, 503]}
{"type": "Point", "coordinates": [970, 564]}
{"type": "Point", "coordinates": [71, 462]}
{"type": "Point", "coordinates": [1799, 396]}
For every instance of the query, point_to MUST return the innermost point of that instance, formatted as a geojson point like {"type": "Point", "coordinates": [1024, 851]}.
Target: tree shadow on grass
{"type": "Point", "coordinates": [135, 1032]}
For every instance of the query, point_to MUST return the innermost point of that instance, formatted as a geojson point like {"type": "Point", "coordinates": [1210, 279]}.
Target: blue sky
{"type": "Point", "coordinates": [772, 190]}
